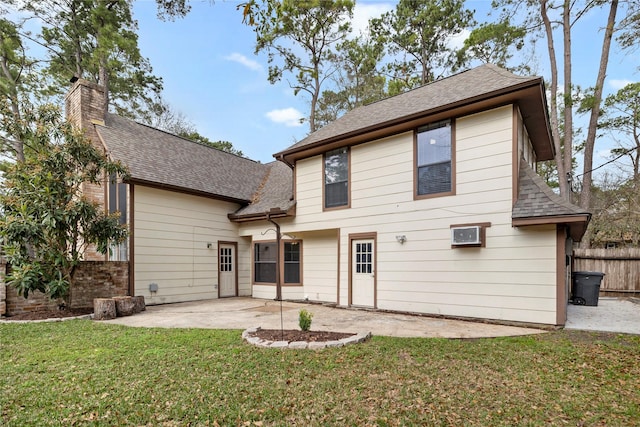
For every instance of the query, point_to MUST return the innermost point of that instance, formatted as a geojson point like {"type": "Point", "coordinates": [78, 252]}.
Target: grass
{"type": "Point", "coordinates": [85, 373]}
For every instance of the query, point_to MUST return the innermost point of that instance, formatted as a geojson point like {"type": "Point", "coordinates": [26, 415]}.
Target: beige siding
{"type": "Point", "coordinates": [320, 265]}
{"type": "Point", "coordinates": [171, 235]}
{"type": "Point", "coordinates": [512, 278]}
{"type": "Point", "coordinates": [319, 262]}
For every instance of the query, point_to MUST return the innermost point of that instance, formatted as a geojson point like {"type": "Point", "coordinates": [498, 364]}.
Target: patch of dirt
{"type": "Point", "coordinates": [51, 314]}
{"type": "Point", "coordinates": [291, 335]}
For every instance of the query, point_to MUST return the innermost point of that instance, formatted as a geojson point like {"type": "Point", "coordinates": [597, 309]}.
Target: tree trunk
{"type": "Point", "coordinates": [124, 306]}
{"type": "Point", "coordinates": [138, 304]}
{"type": "Point", "coordinates": [103, 80]}
{"type": "Point", "coordinates": [16, 144]}
{"type": "Point", "coordinates": [104, 309]}
{"type": "Point", "coordinates": [568, 96]}
{"type": "Point", "coordinates": [585, 197]}
{"type": "Point", "coordinates": [555, 128]}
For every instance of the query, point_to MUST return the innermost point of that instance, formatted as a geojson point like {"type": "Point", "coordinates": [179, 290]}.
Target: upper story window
{"type": "Point", "coordinates": [434, 153]}
{"type": "Point", "coordinates": [118, 198]}
{"type": "Point", "coordinates": [117, 203]}
{"type": "Point", "coordinates": [336, 178]}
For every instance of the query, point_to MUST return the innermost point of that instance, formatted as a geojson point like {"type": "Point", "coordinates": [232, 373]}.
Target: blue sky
{"type": "Point", "coordinates": [212, 76]}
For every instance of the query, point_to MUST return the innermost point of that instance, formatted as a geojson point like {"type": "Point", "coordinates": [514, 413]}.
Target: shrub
{"type": "Point", "coordinates": [304, 319]}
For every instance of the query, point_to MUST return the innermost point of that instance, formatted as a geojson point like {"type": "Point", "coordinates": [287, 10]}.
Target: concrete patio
{"type": "Point", "coordinates": [611, 315]}
{"type": "Point", "coordinates": [243, 313]}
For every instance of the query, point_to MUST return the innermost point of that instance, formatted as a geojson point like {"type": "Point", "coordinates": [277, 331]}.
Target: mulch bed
{"type": "Point", "coordinates": [51, 314]}
{"type": "Point", "coordinates": [292, 335]}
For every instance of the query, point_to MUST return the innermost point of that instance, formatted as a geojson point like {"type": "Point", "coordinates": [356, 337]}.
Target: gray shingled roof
{"type": "Point", "coordinates": [537, 200]}
{"type": "Point", "coordinates": [478, 82]}
{"type": "Point", "coordinates": [276, 192]}
{"type": "Point", "coordinates": [160, 158]}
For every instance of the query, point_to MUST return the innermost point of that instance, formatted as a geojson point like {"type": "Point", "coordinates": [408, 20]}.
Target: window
{"type": "Point", "coordinates": [226, 259]}
{"type": "Point", "coordinates": [117, 202]}
{"type": "Point", "coordinates": [363, 257]}
{"type": "Point", "coordinates": [265, 258]}
{"type": "Point", "coordinates": [118, 198]}
{"type": "Point", "coordinates": [291, 262]}
{"type": "Point", "coordinates": [264, 262]}
{"type": "Point", "coordinates": [336, 178]}
{"type": "Point", "coordinates": [433, 159]}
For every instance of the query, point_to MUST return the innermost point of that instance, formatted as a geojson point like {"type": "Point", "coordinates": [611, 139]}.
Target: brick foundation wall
{"type": "Point", "coordinates": [92, 279]}
{"type": "Point", "coordinates": [99, 279]}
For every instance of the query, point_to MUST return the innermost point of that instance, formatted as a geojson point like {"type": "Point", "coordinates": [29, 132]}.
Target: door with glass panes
{"type": "Point", "coordinates": [363, 272]}
{"type": "Point", "coordinates": [227, 276]}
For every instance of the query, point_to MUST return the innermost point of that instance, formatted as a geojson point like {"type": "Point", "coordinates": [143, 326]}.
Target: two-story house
{"type": "Point", "coordinates": [426, 202]}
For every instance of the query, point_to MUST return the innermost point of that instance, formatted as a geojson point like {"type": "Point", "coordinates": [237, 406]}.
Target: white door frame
{"type": "Point", "coordinates": [234, 256]}
{"type": "Point", "coordinates": [352, 239]}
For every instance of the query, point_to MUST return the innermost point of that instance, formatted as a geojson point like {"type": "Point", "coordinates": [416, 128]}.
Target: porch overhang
{"type": "Point", "coordinates": [577, 224]}
{"type": "Point", "coordinates": [263, 216]}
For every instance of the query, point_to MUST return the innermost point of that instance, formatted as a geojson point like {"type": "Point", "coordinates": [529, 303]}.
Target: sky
{"type": "Point", "coordinates": [212, 76]}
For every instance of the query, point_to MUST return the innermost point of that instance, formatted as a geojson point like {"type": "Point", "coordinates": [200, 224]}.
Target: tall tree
{"type": "Point", "coordinates": [13, 64]}
{"type": "Point", "coordinates": [357, 80]}
{"type": "Point", "coordinates": [46, 222]}
{"type": "Point", "coordinates": [615, 213]}
{"type": "Point", "coordinates": [621, 119]}
{"type": "Point", "coordinates": [16, 81]}
{"type": "Point", "coordinates": [96, 40]}
{"type": "Point", "coordinates": [589, 145]}
{"type": "Point", "coordinates": [494, 43]}
{"type": "Point", "coordinates": [418, 35]}
{"type": "Point", "coordinates": [298, 37]}
{"type": "Point", "coordinates": [552, 19]}
{"type": "Point", "coordinates": [218, 145]}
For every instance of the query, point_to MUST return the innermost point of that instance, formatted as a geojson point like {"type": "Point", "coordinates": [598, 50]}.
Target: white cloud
{"type": "Point", "coordinates": [290, 117]}
{"type": "Point", "coordinates": [365, 11]}
{"type": "Point", "coordinates": [618, 84]}
{"type": "Point", "coordinates": [243, 60]}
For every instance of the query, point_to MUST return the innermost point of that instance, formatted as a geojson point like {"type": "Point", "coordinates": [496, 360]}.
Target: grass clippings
{"type": "Point", "coordinates": [85, 373]}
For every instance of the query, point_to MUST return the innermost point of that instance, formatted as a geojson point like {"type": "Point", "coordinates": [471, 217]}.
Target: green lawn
{"type": "Point", "coordinates": [87, 373]}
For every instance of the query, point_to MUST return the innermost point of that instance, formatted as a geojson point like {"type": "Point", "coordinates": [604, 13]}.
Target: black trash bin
{"type": "Point", "coordinates": [586, 287]}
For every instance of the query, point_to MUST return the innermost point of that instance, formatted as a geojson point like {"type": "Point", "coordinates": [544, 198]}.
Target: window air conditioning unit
{"type": "Point", "coordinates": [461, 236]}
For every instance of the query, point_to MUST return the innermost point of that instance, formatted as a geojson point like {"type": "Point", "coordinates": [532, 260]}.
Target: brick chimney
{"type": "Point", "coordinates": [84, 106]}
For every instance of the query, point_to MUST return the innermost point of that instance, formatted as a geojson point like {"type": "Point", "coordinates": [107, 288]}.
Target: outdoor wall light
{"type": "Point", "coordinates": [401, 238]}
{"type": "Point", "coordinates": [209, 245]}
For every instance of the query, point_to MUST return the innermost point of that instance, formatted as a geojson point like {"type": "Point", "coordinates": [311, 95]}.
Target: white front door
{"type": "Point", "coordinates": [362, 273]}
{"type": "Point", "coordinates": [227, 270]}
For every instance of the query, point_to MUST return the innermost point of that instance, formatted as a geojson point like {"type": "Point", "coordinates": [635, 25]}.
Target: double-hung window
{"type": "Point", "coordinates": [336, 178]}
{"type": "Point", "coordinates": [434, 166]}
{"type": "Point", "coordinates": [265, 262]}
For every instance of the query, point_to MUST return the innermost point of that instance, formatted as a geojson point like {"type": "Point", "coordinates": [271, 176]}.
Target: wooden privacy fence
{"type": "Point", "coordinates": [621, 267]}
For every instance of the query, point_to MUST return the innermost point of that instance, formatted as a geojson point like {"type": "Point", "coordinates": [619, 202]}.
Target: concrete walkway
{"type": "Point", "coordinates": [610, 315]}
{"type": "Point", "coordinates": [243, 313]}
